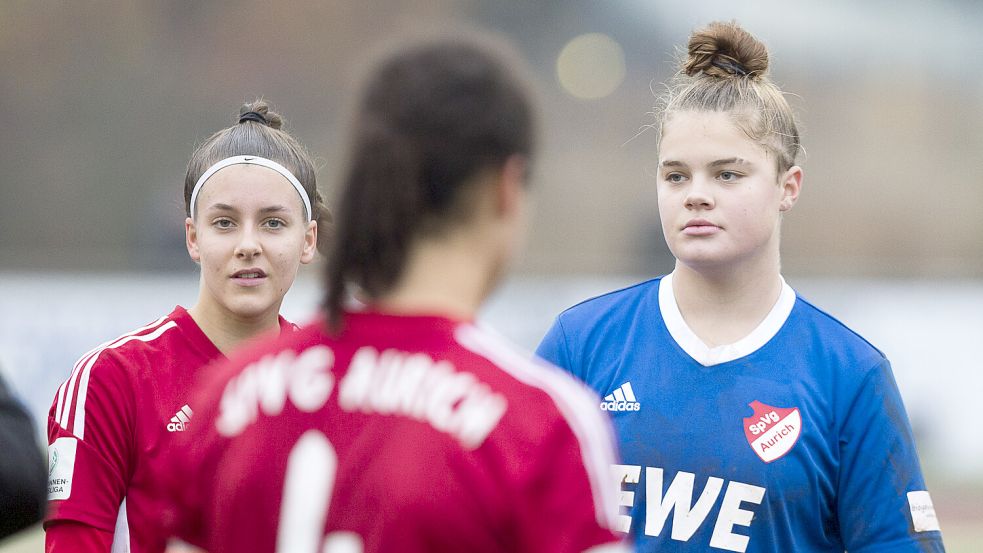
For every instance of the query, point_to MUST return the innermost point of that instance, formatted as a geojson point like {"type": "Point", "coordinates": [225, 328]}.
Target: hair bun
{"type": "Point", "coordinates": [726, 50]}
{"type": "Point", "coordinates": [260, 112]}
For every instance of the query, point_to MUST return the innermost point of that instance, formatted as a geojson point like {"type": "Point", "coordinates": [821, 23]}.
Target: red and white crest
{"type": "Point", "coordinates": [772, 431]}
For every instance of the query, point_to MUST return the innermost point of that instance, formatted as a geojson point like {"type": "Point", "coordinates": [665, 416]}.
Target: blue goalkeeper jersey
{"type": "Point", "coordinates": [792, 439]}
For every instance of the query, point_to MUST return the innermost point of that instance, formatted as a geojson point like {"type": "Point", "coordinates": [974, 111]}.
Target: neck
{"type": "Point", "coordinates": [721, 308]}
{"type": "Point", "coordinates": [442, 277]}
{"type": "Point", "coordinates": [227, 330]}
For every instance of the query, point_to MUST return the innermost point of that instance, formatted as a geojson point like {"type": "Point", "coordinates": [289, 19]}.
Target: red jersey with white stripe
{"type": "Point", "coordinates": [112, 426]}
{"type": "Point", "coordinates": [409, 434]}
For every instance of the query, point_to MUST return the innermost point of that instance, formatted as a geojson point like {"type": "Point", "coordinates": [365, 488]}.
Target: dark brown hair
{"type": "Point", "coordinates": [725, 70]}
{"type": "Point", "coordinates": [432, 117]}
{"type": "Point", "coordinates": [259, 133]}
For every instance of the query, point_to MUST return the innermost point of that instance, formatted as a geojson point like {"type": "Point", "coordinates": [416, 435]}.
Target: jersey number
{"type": "Point", "coordinates": [311, 470]}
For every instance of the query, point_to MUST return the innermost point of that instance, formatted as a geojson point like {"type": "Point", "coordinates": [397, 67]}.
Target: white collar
{"type": "Point", "coordinates": [707, 356]}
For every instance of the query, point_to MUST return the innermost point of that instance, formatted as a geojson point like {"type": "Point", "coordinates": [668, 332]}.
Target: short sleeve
{"type": "Point", "coordinates": [882, 504]}
{"type": "Point", "coordinates": [553, 348]}
{"type": "Point", "coordinates": [90, 443]}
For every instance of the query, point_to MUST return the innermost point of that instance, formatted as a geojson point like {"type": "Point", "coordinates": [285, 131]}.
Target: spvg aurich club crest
{"type": "Point", "coordinates": [772, 431]}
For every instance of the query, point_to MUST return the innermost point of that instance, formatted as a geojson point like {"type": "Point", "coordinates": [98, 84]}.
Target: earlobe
{"type": "Point", "coordinates": [191, 240]}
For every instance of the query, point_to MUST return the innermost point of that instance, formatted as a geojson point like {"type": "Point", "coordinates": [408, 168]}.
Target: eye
{"type": "Point", "coordinates": [222, 223]}
{"type": "Point", "coordinates": [728, 176]}
{"type": "Point", "coordinates": [675, 178]}
{"type": "Point", "coordinates": [275, 223]}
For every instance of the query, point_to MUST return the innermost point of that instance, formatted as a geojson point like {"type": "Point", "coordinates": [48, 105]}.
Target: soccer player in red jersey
{"type": "Point", "coordinates": [252, 206]}
{"type": "Point", "coordinates": [403, 425]}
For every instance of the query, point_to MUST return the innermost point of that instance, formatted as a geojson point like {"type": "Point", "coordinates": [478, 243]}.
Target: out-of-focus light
{"type": "Point", "coordinates": [591, 66]}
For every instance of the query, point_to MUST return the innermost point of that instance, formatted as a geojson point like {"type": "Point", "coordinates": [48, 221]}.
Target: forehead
{"type": "Point", "coordinates": [702, 136]}
{"type": "Point", "coordinates": [247, 187]}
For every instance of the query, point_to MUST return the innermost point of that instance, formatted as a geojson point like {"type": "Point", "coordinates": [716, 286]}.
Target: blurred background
{"type": "Point", "coordinates": [102, 104]}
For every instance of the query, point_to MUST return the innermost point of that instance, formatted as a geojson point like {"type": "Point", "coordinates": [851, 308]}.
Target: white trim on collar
{"type": "Point", "coordinates": [707, 356]}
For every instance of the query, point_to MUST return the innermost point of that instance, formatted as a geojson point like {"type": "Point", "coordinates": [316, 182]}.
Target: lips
{"type": "Point", "coordinates": [700, 227]}
{"type": "Point", "coordinates": [249, 274]}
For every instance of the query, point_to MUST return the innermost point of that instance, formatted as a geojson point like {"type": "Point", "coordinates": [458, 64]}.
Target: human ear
{"type": "Point", "coordinates": [791, 184]}
{"type": "Point", "coordinates": [511, 185]}
{"type": "Point", "coordinates": [310, 243]}
{"type": "Point", "coordinates": [191, 240]}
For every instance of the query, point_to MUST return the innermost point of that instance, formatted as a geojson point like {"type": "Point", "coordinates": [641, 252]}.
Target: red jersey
{"type": "Point", "coordinates": [112, 425]}
{"type": "Point", "coordinates": [409, 434]}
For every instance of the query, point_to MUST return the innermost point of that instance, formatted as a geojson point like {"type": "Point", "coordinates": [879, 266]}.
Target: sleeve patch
{"type": "Point", "coordinates": [922, 512]}
{"type": "Point", "coordinates": [61, 468]}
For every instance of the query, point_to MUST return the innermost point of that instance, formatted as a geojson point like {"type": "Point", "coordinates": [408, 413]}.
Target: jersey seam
{"type": "Point", "coordinates": [840, 324]}
{"type": "Point", "coordinates": [566, 346]}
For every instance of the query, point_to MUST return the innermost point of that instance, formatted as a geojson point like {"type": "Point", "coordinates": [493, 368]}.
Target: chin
{"type": "Point", "coordinates": [250, 308]}
{"type": "Point", "coordinates": [705, 261]}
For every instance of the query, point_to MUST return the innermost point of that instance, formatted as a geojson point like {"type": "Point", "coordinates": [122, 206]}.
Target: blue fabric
{"type": "Point", "coordinates": [842, 484]}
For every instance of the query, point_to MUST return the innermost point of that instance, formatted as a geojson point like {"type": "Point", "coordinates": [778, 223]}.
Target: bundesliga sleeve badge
{"type": "Point", "coordinates": [772, 431]}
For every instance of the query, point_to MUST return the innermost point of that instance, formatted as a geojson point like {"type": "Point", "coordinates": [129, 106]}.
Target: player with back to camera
{"type": "Point", "coordinates": [748, 419]}
{"type": "Point", "coordinates": [252, 220]}
{"type": "Point", "coordinates": [403, 426]}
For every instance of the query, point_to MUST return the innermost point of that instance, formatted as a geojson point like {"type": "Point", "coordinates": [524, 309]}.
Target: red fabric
{"type": "Point", "coordinates": [77, 537]}
{"type": "Point", "coordinates": [404, 482]}
{"type": "Point", "coordinates": [133, 388]}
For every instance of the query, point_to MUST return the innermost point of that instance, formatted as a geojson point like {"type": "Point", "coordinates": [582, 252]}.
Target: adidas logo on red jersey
{"type": "Point", "coordinates": [180, 420]}
{"type": "Point", "coordinates": [622, 399]}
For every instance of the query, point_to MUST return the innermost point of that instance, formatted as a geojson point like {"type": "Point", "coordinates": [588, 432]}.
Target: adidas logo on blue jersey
{"type": "Point", "coordinates": [621, 399]}
{"type": "Point", "coordinates": [179, 422]}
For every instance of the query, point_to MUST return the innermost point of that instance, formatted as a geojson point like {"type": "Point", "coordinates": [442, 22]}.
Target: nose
{"type": "Point", "coordinates": [248, 245]}
{"type": "Point", "coordinates": [699, 194]}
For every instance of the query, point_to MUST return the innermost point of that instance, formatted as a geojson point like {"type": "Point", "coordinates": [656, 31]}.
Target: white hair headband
{"type": "Point", "coordinates": [251, 160]}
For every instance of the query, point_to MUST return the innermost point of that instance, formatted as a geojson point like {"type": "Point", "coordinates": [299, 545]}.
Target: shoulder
{"type": "Point", "coordinates": [127, 351]}
{"type": "Point", "coordinates": [835, 335]}
{"type": "Point", "coordinates": [531, 383]}
{"type": "Point", "coordinates": [102, 377]}
{"type": "Point", "coordinates": [611, 308]}
{"type": "Point", "coordinates": [552, 419]}
{"type": "Point", "coordinates": [622, 298]}
{"type": "Point", "coordinates": [595, 319]}
{"type": "Point", "coordinates": [134, 348]}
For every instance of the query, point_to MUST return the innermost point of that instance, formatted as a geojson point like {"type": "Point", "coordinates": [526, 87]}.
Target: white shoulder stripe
{"type": "Point", "coordinates": [65, 400]}
{"type": "Point", "coordinates": [118, 338]}
{"type": "Point", "coordinates": [576, 403]}
{"type": "Point", "coordinates": [78, 427]}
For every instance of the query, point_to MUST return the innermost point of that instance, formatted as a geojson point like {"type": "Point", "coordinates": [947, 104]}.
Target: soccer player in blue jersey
{"type": "Point", "coordinates": [748, 419]}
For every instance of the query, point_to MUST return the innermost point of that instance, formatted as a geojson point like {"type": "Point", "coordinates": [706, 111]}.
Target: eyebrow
{"type": "Point", "coordinates": [715, 163]}
{"type": "Point", "coordinates": [227, 207]}
{"type": "Point", "coordinates": [728, 161]}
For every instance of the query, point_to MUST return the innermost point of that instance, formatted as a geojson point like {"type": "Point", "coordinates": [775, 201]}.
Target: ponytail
{"type": "Point", "coordinates": [373, 255]}
{"type": "Point", "coordinates": [432, 117]}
